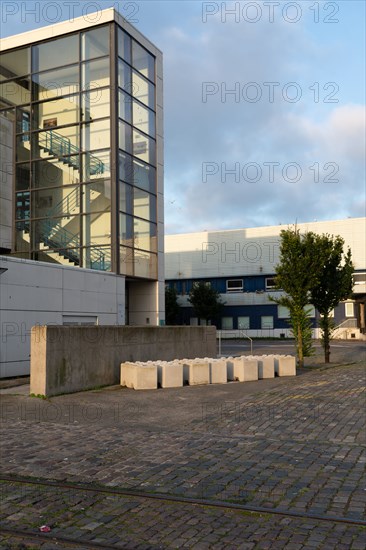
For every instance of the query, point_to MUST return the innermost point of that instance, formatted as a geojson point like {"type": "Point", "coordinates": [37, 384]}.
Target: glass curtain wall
{"type": "Point", "coordinates": [57, 100]}
{"type": "Point", "coordinates": [137, 159]}
{"type": "Point", "coordinates": [58, 95]}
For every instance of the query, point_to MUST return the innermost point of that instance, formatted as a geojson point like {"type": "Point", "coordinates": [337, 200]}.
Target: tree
{"type": "Point", "coordinates": [334, 284]}
{"type": "Point", "coordinates": [206, 301]}
{"type": "Point", "coordinates": [171, 306]}
{"type": "Point", "coordinates": [297, 275]}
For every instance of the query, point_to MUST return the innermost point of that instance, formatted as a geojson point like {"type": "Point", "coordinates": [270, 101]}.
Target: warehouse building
{"type": "Point", "coordinates": [240, 265]}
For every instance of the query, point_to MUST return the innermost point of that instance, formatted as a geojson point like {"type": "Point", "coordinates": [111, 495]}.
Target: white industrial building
{"type": "Point", "coordinates": [240, 265]}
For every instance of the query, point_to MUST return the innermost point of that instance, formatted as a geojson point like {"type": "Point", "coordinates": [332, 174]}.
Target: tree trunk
{"type": "Point", "coordinates": [300, 351]}
{"type": "Point", "coordinates": [326, 339]}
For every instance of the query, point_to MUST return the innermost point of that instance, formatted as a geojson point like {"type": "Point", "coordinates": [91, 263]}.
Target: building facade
{"type": "Point", "coordinates": [240, 265]}
{"type": "Point", "coordinates": [81, 139]}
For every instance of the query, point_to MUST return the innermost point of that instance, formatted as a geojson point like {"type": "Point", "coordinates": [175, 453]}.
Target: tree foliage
{"type": "Point", "coordinates": [171, 306]}
{"type": "Point", "coordinates": [206, 301]}
{"type": "Point", "coordinates": [312, 269]}
{"type": "Point", "coordinates": [334, 284]}
{"type": "Point", "coordinates": [296, 274]}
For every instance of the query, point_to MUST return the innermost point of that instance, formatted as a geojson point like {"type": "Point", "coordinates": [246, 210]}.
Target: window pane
{"type": "Point", "coordinates": [95, 43]}
{"type": "Point", "coordinates": [125, 167]}
{"type": "Point", "coordinates": [270, 282]}
{"type": "Point", "coordinates": [283, 312]}
{"type": "Point", "coordinates": [145, 264]}
{"type": "Point", "coordinates": [56, 113]}
{"type": "Point", "coordinates": [143, 61]}
{"type": "Point", "coordinates": [97, 196]}
{"type": "Point", "coordinates": [57, 83]}
{"type": "Point", "coordinates": [126, 229]}
{"type": "Point", "coordinates": [144, 205]}
{"type": "Point", "coordinates": [97, 228]}
{"type": "Point", "coordinates": [125, 106]}
{"type": "Point", "coordinates": [23, 119]}
{"type": "Point", "coordinates": [65, 256]}
{"type": "Point", "coordinates": [55, 172]}
{"type": "Point", "coordinates": [227, 323]}
{"type": "Point", "coordinates": [144, 147]}
{"type": "Point", "coordinates": [97, 257]}
{"type": "Point", "coordinates": [96, 135]}
{"type": "Point", "coordinates": [124, 45]}
{"type": "Point", "coordinates": [144, 176]}
{"type": "Point", "coordinates": [125, 137]}
{"type": "Point", "coordinates": [124, 77]}
{"type": "Point", "coordinates": [143, 119]}
{"type": "Point", "coordinates": [143, 90]}
{"type": "Point", "coordinates": [22, 178]}
{"type": "Point", "coordinates": [266, 322]}
{"type": "Point", "coordinates": [144, 235]}
{"type": "Point", "coordinates": [125, 197]}
{"type": "Point", "coordinates": [350, 310]}
{"type": "Point", "coordinates": [22, 237]}
{"type": "Point", "coordinates": [234, 285]}
{"type": "Point", "coordinates": [95, 74]}
{"type": "Point", "coordinates": [57, 233]}
{"type": "Point", "coordinates": [15, 92]}
{"type": "Point", "coordinates": [96, 165]}
{"type": "Point", "coordinates": [15, 63]}
{"type": "Point", "coordinates": [126, 261]}
{"type": "Point", "coordinates": [22, 147]}
{"type": "Point", "coordinates": [64, 141]}
{"type": "Point", "coordinates": [244, 323]}
{"type": "Point", "coordinates": [61, 201]}
{"type": "Point", "coordinates": [64, 50]}
{"type": "Point", "coordinates": [95, 104]}
{"type": "Point", "coordinates": [22, 211]}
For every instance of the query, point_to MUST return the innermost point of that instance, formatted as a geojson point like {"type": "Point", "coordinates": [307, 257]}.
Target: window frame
{"type": "Point", "coordinates": [270, 286]}
{"type": "Point", "coordinates": [237, 288]}
{"type": "Point", "coordinates": [267, 317]}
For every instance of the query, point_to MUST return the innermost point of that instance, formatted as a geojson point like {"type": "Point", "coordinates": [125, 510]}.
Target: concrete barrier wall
{"type": "Point", "coordinates": [70, 359]}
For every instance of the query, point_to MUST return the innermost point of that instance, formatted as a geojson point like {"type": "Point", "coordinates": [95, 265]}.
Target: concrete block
{"type": "Point", "coordinates": [266, 366]}
{"type": "Point", "coordinates": [170, 374]}
{"type": "Point", "coordinates": [196, 372]}
{"type": "Point", "coordinates": [139, 376]}
{"type": "Point", "coordinates": [285, 365]}
{"type": "Point", "coordinates": [127, 374]}
{"type": "Point", "coordinates": [218, 371]}
{"type": "Point", "coordinates": [230, 369]}
{"type": "Point", "coordinates": [245, 369]}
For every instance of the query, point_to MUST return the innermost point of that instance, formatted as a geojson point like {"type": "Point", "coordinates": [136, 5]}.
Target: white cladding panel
{"type": "Point", "coordinates": [42, 293]}
{"type": "Point", "coordinates": [249, 251]}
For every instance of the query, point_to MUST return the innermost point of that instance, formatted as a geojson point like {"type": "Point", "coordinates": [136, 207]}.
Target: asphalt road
{"type": "Point", "coordinates": [342, 351]}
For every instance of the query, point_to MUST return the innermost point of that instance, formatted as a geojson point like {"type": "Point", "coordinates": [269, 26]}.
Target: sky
{"type": "Point", "coordinates": [264, 105]}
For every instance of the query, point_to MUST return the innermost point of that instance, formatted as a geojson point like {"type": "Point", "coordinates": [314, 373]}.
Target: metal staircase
{"type": "Point", "coordinates": [52, 233]}
{"type": "Point", "coordinates": [59, 146]}
{"type": "Point", "coordinates": [56, 237]}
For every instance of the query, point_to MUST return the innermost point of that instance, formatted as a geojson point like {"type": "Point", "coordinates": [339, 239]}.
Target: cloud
{"type": "Point", "coordinates": [324, 139]}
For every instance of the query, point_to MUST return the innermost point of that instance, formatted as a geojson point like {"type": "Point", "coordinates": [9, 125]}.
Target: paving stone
{"type": "Point", "coordinates": [284, 445]}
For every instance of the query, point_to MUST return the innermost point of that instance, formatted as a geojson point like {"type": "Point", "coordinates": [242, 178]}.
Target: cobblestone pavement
{"type": "Point", "coordinates": [286, 445]}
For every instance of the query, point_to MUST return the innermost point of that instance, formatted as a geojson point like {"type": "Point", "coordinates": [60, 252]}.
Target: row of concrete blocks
{"type": "Point", "coordinates": [174, 374]}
